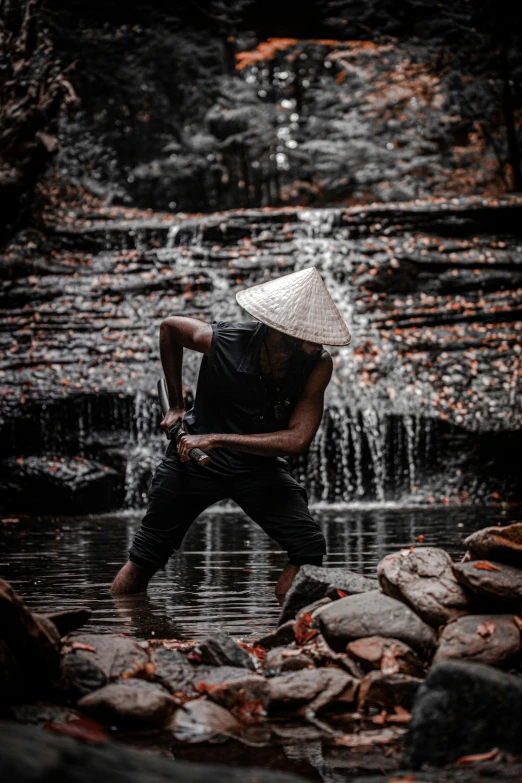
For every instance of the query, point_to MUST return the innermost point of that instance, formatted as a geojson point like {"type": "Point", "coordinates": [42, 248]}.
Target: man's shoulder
{"type": "Point", "coordinates": [246, 327]}
{"type": "Point", "coordinates": [235, 330]}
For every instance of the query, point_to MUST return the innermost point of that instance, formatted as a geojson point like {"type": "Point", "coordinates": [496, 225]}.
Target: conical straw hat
{"type": "Point", "coordinates": [298, 304]}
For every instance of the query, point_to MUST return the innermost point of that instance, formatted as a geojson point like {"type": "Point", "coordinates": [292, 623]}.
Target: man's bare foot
{"type": "Point", "coordinates": [132, 578]}
{"type": "Point", "coordinates": [284, 582]}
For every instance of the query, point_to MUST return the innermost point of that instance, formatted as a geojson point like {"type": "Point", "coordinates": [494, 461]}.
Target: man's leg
{"type": "Point", "coordinates": [280, 506]}
{"type": "Point", "coordinates": [179, 492]}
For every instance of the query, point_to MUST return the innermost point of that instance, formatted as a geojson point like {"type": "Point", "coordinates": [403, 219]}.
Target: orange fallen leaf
{"type": "Point", "coordinates": [484, 565]}
{"type": "Point", "coordinates": [342, 594]}
{"type": "Point", "coordinates": [401, 715]}
{"type": "Point", "coordinates": [83, 646]}
{"type": "Point", "coordinates": [303, 630]}
{"type": "Point", "coordinates": [486, 629]}
{"type": "Point", "coordinates": [81, 728]}
{"type": "Point", "coordinates": [478, 757]}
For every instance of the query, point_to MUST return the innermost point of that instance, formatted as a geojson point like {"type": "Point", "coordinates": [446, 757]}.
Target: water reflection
{"type": "Point", "coordinates": [225, 575]}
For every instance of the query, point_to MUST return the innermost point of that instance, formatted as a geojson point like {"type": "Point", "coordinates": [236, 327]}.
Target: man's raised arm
{"type": "Point", "coordinates": [176, 333]}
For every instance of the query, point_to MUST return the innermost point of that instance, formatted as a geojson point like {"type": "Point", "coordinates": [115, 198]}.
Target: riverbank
{"type": "Point", "coordinates": [419, 666]}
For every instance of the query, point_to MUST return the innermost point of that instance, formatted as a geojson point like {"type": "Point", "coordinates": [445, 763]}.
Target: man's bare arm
{"type": "Point", "coordinates": [302, 426]}
{"type": "Point", "coordinates": [177, 333]}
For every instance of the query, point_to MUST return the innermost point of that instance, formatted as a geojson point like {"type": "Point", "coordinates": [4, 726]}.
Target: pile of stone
{"type": "Point", "coordinates": [430, 643]}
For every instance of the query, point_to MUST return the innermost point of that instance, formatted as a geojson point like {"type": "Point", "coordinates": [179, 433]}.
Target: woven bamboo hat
{"type": "Point", "coordinates": [298, 304]}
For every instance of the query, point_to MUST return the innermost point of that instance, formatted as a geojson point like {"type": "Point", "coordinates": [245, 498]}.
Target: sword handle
{"type": "Point", "coordinates": [176, 431]}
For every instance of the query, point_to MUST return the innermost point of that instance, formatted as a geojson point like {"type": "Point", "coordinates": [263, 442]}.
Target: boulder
{"type": "Point", "coordinates": [68, 620]}
{"type": "Point", "coordinates": [496, 581]}
{"type": "Point", "coordinates": [381, 691]}
{"type": "Point", "coordinates": [173, 669]}
{"type": "Point", "coordinates": [114, 655]}
{"type": "Point", "coordinates": [284, 634]}
{"type": "Point", "coordinates": [389, 655]}
{"type": "Point", "coordinates": [314, 582]}
{"type": "Point", "coordinates": [221, 650]}
{"type": "Point", "coordinates": [488, 638]}
{"type": "Point", "coordinates": [202, 720]}
{"type": "Point", "coordinates": [314, 688]}
{"type": "Point", "coordinates": [12, 687]}
{"type": "Point", "coordinates": [81, 675]}
{"type": "Point", "coordinates": [34, 643]}
{"type": "Point", "coordinates": [59, 485]}
{"type": "Point", "coordinates": [29, 754]}
{"type": "Point", "coordinates": [463, 709]}
{"type": "Point", "coordinates": [497, 543]}
{"type": "Point", "coordinates": [243, 694]}
{"type": "Point", "coordinates": [374, 614]}
{"type": "Point", "coordinates": [423, 578]}
{"type": "Point", "coordinates": [182, 677]}
{"type": "Point", "coordinates": [130, 704]}
{"type": "Point", "coordinates": [286, 659]}
{"type": "Point", "coordinates": [320, 652]}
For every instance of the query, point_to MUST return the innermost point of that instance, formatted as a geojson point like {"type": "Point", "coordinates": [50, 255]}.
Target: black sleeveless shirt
{"type": "Point", "coordinates": [232, 397]}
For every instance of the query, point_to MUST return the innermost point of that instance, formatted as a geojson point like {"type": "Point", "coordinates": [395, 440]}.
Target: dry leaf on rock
{"type": "Point", "coordinates": [389, 662]}
{"type": "Point", "coordinates": [82, 646]}
{"type": "Point", "coordinates": [486, 629]}
{"type": "Point", "coordinates": [478, 757]}
{"type": "Point", "coordinates": [84, 729]}
{"type": "Point", "coordinates": [484, 565]}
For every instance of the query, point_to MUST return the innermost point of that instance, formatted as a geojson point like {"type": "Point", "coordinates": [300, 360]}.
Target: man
{"type": "Point", "coordinates": [259, 397]}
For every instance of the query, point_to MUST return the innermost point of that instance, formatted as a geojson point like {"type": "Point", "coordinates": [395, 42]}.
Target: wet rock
{"type": "Point", "coordinates": [320, 652]}
{"type": "Point", "coordinates": [34, 644]}
{"type": "Point", "coordinates": [374, 614]}
{"type": "Point", "coordinates": [11, 678]}
{"type": "Point", "coordinates": [423, 579]}
{"type": "Point", "coordinates": [389, 655]}
{"type": "Point", "coordinates": [496, 581]}
{"type": "Point", "coordinates": [286, 659]}
{"type": "Point", "coordinates": [82, 676]}
{"type": "Point", "coordinates": [314, 688]}
{"type": "Point", "coordinates": [489, 638]}
{"type": "Point", "coordinates": [248, 693]}
{"type": "Point", "coordinates": [202, 720]}
{"type": "Point", "coordinates": [180, 676]}
{"type": "Point", "coordinates": [175, 671]}
{"type": "Point", "coordinates": [114, 655]}
{"type": "Point", "coordinates": [32, 755]}
{"type": "Point", "coordinates": [68, 485]}
{"type": "Point", "coordinates": [40, 713]}
{"type": "Point", "coordinates": [497, 543]}
{"type": "Point", "coordinates": [462, 709]}
{"type": "Point", "coordinates": [130, 703]}
{"type": "Point", "coordinates": [284, 634]}
{"type": "Point", "coordinates": [221, 650]}
{"type": "Point", "coordinates": [215, 675]}
{"type": "Point", "coordinates": [382, 691]}
{"type": "Point", "coordinates": [68, 620]}
{"type": "Point", "coordinates": [314, 582]}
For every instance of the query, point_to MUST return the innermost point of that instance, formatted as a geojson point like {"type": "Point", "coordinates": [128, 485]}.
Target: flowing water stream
{"type": "Point", "coordinates": [224, 576]}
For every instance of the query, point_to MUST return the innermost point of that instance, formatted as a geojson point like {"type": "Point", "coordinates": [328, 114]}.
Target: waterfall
{"type": "Point", "coordinates": [364, 455]}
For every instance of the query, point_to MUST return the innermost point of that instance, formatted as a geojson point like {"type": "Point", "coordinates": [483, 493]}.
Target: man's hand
{"type": "Point", "coordinates": [172, 416]}
{"type": "Point", "coordinates": [189, 442]}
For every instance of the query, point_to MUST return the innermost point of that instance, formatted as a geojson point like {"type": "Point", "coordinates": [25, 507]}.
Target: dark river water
{"type": "Point", "coordinates": [224, 576]}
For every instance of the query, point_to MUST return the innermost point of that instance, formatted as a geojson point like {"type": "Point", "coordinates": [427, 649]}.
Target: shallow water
{"type": "Point", "coordinates": [224, 576]}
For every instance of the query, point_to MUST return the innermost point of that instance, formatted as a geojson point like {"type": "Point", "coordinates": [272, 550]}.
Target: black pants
{"type": "Point", "coordinates": [180, 491]}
